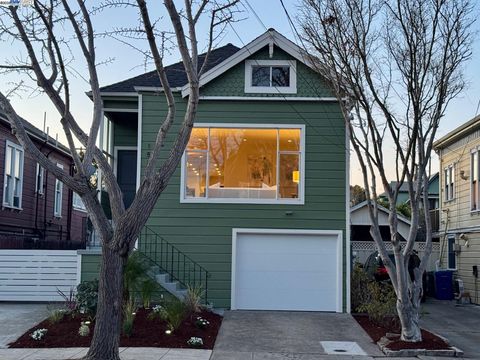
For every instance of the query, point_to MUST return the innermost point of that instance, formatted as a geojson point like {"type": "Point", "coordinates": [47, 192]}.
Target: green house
{"type": "Point", "coordinates": [257, 212]}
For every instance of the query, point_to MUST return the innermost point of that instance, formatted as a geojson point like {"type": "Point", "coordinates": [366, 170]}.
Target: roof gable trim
{"type": "Point", "coordinates": [269, 37]}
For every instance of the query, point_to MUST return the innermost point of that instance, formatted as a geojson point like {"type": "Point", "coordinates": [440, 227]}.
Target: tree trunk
{"type": "Point", "coordinates": [409, 313]}
{"type": "Point", "coordinates": [106, 336]}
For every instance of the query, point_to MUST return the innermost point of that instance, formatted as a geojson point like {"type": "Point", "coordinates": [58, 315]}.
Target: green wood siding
{"type": "Point", "coordinates": [90, 266]}
{"type": "Point", "coordinates": [120, 102]}
{"type": "Point", "coordinates": [204, 231]}
{"type": "Point", "coordinates": [232, 82]}
{"type": "Point", "coordinates": [124, 133]}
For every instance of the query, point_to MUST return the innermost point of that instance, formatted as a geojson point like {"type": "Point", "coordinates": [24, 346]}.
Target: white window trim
{"type": "Point", "coordinates": [301, 187]}
{"type": "Point", "coordinates": [39, 171]}
{"type": "Point", "coordinates": [453, 190]}
{"type": "Point", "coordinates": [475, 151]}
{"type": "Point", "coordinates": [76, 207]}
{"type": "Point", "coordinates": [19, 148]}
{"type": "Point", "coordinates": [292, 89]}
{"type": "Point", "coordinates": [58, 212]}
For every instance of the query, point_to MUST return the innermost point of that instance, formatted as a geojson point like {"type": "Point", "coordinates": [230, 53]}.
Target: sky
{"type": "Point", "coordinates": [123, 62]}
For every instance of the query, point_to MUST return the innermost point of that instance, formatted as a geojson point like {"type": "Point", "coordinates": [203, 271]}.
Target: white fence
{"type": "Point", "coordinates": [37, 275]}
{"type": "Point", "coordinates": [362, 249]}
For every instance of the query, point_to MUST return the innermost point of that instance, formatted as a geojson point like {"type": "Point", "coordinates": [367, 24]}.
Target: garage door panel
{"type": "Point", "coordinates": [286, 272]}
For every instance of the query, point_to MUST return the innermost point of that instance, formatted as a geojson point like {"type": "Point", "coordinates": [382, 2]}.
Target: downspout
{"type": "Point", "coordinates": [45, 198]}
{"type": "Point", "coordinates": [70, 206]}
{"type": "Point", "coordinates": [37, 194]}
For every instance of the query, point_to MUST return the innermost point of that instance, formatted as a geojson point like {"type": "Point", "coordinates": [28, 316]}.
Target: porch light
{"type": "Point", "coordinates": [296, 176]}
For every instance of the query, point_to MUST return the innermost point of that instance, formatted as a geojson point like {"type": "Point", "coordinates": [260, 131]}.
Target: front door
{"type": "Point", "coordinates": [127, 174]}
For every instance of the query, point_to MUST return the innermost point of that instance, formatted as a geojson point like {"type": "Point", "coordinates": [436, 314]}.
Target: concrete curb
{"type": "Point", "coordinates": [452, 352]}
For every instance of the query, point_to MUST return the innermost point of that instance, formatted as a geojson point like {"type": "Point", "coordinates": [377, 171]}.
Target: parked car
{"type": "Point", "coordinates": [375, 268]}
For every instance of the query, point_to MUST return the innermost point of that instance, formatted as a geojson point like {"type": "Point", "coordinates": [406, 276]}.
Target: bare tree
{"type": "Point", "coordinates": [394, 65]}
{"type": "Point", "coordinates": [40, 30]}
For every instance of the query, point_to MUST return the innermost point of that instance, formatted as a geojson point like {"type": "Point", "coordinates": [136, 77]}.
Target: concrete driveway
{"type": "Point", "coordinates": [16, 318]}
{"type": "Point", "coordinates": [460, 324]}
{"type": "Point", "coordinates": [286, 335]}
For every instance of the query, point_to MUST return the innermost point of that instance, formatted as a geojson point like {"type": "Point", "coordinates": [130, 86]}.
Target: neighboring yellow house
{"type": "Point", "coordinates": [459, 153]}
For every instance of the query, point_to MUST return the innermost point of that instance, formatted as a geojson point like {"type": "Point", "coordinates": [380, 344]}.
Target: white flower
{"type": "Point", "coordinates": [38, 334]}
{"type": "Point", "coordinates": [195, 341]}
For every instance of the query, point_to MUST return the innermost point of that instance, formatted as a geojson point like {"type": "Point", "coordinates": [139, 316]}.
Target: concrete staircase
{"type": "Point", "coordinates": [164, 280]}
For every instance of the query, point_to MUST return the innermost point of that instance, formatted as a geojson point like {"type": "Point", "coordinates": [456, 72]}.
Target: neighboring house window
{"type": "Point", "coordinates": [452, 261]}
{"type": "Point", "coordinates": [57, 206]}
{"type": "Point", "coordinates": [270, 76]}
{"type": "Point", "coordinates": [449, 191]}
{"type": "Point", "coordinates": [242, 164]}
{"type": "Point", "coordinates": [475, 183]}
{"type": "Point", "coordinates": [13, 179]}
{"type": "Point", "coordinates": [39, 173]}
{"type": "Point", "coordinates": [77, 202]}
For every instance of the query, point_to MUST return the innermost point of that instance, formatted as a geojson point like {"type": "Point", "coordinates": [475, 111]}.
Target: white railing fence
{"type": "Point", "coordinates": [37, 275]}
{"type": "Point", "coordinates": [362, 249]}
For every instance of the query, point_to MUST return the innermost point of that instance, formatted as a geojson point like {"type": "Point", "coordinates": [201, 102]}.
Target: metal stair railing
{"type": "Point", "coordinates": [179, 266]}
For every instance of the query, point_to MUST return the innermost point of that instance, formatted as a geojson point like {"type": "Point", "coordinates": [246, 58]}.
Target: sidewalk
{"type": "Point", "coordinates": [132, 353]}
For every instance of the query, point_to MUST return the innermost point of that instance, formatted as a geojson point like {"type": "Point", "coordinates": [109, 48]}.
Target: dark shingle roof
{"type": "Point", "coordinates": [175, 73]}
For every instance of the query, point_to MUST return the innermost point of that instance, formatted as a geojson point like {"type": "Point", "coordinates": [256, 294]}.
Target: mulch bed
{"type": "Point", "coordinates": [429, 342]}
{"type": "Point", "coordinates": [146, 333]}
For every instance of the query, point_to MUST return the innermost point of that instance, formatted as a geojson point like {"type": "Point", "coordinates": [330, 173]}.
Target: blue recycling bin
{"type": "Point", "coordinates": [444, 285]}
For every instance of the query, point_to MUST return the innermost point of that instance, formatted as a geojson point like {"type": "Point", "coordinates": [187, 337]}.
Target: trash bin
{"type": "Point", "coordinates": [444, 285]}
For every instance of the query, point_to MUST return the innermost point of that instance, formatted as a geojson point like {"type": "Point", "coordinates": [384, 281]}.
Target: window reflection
{"type": "Point", "coordinates": [243, 163]}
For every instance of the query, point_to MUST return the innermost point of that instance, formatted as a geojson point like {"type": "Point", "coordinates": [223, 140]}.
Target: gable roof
{"type": "Point", "coordinates": [269, 38]}
{"type": "Point", "coordinates": [220, 60]}
{"type": "Point", "coordinates": [381, 209]}
{"type": "Point", "coordinates": [458, 133]}
{"type": "Point", "coordinates": [175, 73]}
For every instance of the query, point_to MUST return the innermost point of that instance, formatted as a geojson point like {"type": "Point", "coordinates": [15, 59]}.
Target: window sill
{"type": "Point", "coordinates": [79, 209]}
{"type": "Point", "coordinates": [270, 90]}
{"type": "Point", "coordinates": [57, 216]}
{"type": "Point", "coordinates": [244, 201]}
{"type": "Point", "coordinates": [6, 206]}
{"type": "Point", "coordinates": [449, 201]}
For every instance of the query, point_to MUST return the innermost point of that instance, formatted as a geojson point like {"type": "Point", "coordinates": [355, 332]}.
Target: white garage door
{"type": "Point", "coordinates": [286, 270]}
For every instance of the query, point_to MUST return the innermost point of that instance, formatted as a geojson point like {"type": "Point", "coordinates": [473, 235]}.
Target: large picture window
{"type": "Point", "coordinates": [13, 177]}
{"type": "Point", "coordinates": [244, 164]}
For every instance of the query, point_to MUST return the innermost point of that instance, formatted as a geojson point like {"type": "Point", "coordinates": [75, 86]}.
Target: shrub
{"type": "Point", "coordinates": [147, 289]}
{"type": "Point", "coordinates": [84, 329]}
{"type": "Point", "coordinates": [158, 311]}
{"type": "Point", "coordinates": [382, 307]}
{"type": "Point", "coordinates": [359, 287]}
{"type": "Point", "coordinates": [195, 341]}
{"type": "Point", "coordinates": [87, 297]}
{"type": "Point", "coordinates": [129, 312]}
{"type": "Point", "coordinates": [69, 301]}
{"type": "Point", "coordinates": [193, 299]}
{"type": "Point", "coordinates": [56, 315]}
{"type": "Point", "coordinates": [201, 323]}
{"type": "Point", "coordinates": [175, 311]}
{"type": "Point", "coordinates": [134, 274]}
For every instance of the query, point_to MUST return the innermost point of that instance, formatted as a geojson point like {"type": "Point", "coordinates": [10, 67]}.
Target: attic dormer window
{"type": "Point", "coordinates": [270, 76]}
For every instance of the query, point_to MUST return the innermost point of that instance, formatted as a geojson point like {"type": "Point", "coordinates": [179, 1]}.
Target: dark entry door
{"type": "Point", "coordinates": [127, 174]}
